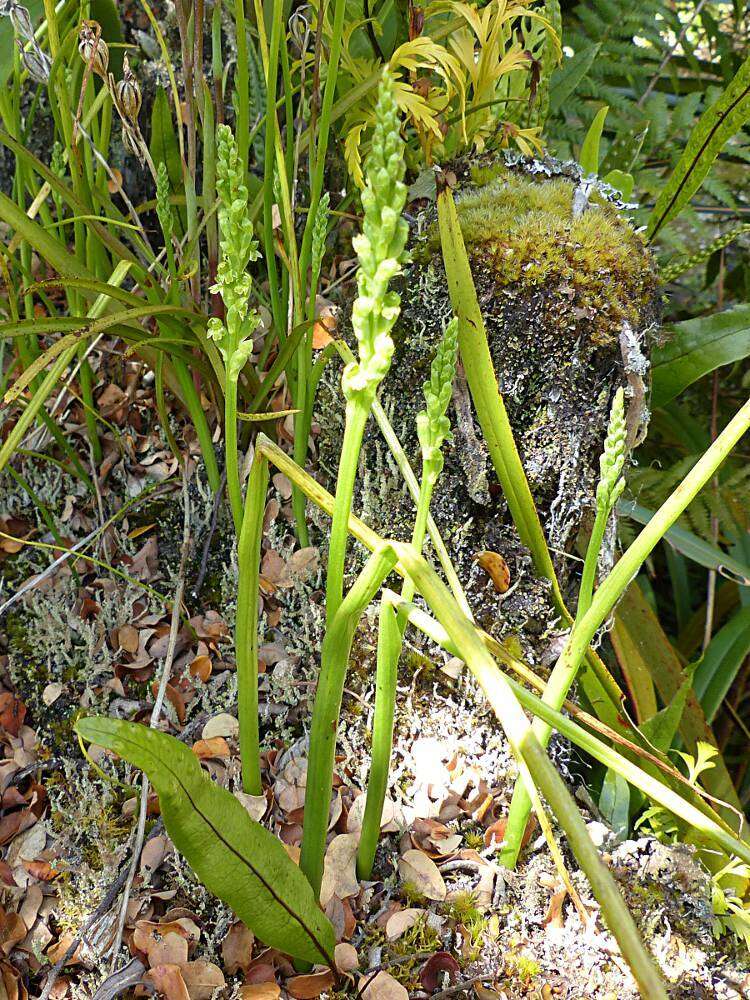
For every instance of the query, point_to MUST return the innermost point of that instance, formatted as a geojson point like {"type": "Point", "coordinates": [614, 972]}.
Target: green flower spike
{"type": "Point", "coordinates": [379, 248]}
{"type": "Point", "coordinates": [238, 248]}
{"type": "Point", "coordinates": [235, 335]}
{"type": "Point", "coordinates": [612, 460]}
{"type": "Point", "coordinates": [433, 426]}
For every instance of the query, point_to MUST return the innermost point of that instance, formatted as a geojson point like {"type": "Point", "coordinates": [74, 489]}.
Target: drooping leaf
{"type": "Point", "coordinates": [690, 545]}
{"type": "Point", "coordinates": [721, 662]}
{"type": "Point", "coordinates": [589, 155]}
{"type": "Point", "coordinates": [698, 346]}
{"type": "Point", "coordinates": [236, 858]}
{"type": "Point", "coordinates": [714, 129]}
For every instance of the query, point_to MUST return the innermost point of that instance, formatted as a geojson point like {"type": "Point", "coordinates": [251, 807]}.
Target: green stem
{"type": "Point", "coordinates": [357, 412]}
{"type": "Point", "coordinates": [605, 598]}
{"type": "Point", "coordinates": [529, 751]}
{"type": "Point", "coordinates": [591, 562]}
{"type": "Point", "coordinates": [246, 628]}
{"type": "Point", "coordinates": [231, 451]}
{"type": "Point", "coordinates": [323, 729]}
{"type": "Point", "coordinates": [389, 651]}
{"type": "Point", "coordinates": [390, 640]}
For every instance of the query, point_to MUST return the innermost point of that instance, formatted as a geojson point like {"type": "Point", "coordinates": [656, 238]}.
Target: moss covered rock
{"type": "Point", "coordinates": [568, 292]}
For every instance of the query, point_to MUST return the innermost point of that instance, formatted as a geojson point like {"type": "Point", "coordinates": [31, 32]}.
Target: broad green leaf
{"type": "Point", "coordinates": [698, 346]}
{"type": "Point", "coordinates": [589, 155]}
{"type": "Point", "coordinates": [714, 129]}
{"type": "Point", "coordinates": [622, 182]}
{"type": "Point", "coordinates": [690, 545]}
{"type": "Point", "coordinates": [236, 858]}
{"type": "Point", "coordinates": [565, 80]}
{"type": "Point", "coordinates": [721, 662]}
{"type": "Point", "coordinates": [635, 669]}
{"type": "Point", "coordinates": [614, 802]}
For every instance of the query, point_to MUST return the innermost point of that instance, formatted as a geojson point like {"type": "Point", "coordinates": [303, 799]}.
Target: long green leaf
{"type": "Point", "coordinates": [690, 545]}
{"type": "Point", "coordinates": [714, 129]}
{"type": "Point", "coordinates": [236, 858]}
{"type": "Point", "coordinates": [489, 405]}
{"type": "Point", "coordinates": [119, 250]}
{"type": "Point", "coordinates": [721, 662]}
{"type": "Point", "coordinates": [698, 346]}
{"type": "Point", "coordinates": [42, 241]}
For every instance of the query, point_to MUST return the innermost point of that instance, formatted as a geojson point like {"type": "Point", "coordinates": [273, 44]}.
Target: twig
{"type": "Point", "coordinates": [30, 584]}
{"type": "Point", "coordinates": [458, 987]}
{"type": "Point", "coordinates": [155, 714]}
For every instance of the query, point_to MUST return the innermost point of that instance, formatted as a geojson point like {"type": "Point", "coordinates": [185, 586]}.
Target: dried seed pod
{"type": "Point", "coordinates": [128, 94]}
{"type": "Point", "coordinates": [92, 48]}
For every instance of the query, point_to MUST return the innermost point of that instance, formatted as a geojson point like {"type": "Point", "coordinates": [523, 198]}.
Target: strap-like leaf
{"type": "Point", "coordinates": [234, 857]}
{"type": "Point", "coordinates": [714, 129]}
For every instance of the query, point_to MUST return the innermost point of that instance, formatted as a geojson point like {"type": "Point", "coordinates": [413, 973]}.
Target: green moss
{"type": "Point", "coordinates": [521, 967]}
{"type": "Point", "coordinates": [523, 230]}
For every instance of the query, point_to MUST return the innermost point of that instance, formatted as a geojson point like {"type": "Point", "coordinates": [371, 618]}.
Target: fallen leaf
{"type": "Point", "coordinates": [309, 986]}
{"type": "Point", "coordinates": [127, 637]}
{"type": "Point", "coordinates": [172, 949]}
{"type": "Point", "coordinates": [345, 957]}
{"type": "Point", "coordinates": [221, 725]}
{"type": "Point", "coordinates": [216, 747]}
{"type": "Point", "coordinates": [51, 693]}
{"type": "Point", "coordinates": [496, 568]}
{"type": "Point", "coordinates": [202, 979]}
{"type": "Point", "coordinates": [168, 981]}
{"type": "Point", "coordinates": [383, 987]}
{"type": "Point", "coordinates": [422, 872]}
{"type": "Point", "coordinates": [260, 991]}
{"type": "Point", "coordinates": [256, 805]}
{"type": "Point", "coordinates": [554, 916]}
{"type": "Point", "coordinates": [12, 713]}
{"type": "Point", "coordinates": [484, 993]}
{"type": "Point", "coordinates": [400, 922]}
{"type": "Point", "coordinates": [201, 667]}
{"type": "Point", "coordinates": [340, 868]}
{"type": "Point", "coordinates": [237, 948]}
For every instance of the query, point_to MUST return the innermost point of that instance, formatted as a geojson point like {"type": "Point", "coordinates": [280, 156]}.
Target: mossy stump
{"type": "Point", "coordinates": [568, 292]}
